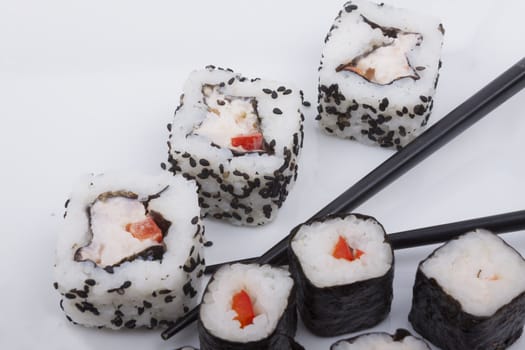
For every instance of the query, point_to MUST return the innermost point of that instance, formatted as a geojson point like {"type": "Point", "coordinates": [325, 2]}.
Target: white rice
{"type": "Point", "coordinates": [314, 244]}
{"type": "Point", "coordinates": [381, 341]}
{"type": "Point", "coordinates": [268, 287]}
{"type": "Point", "coordinates": [479, 270]}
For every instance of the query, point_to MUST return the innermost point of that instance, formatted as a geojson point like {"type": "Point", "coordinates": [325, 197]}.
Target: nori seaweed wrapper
{"type": "Point", "coordinates": [280, 339]}
{"type": "Point", "coordinates": [332, 311]}
{"type": "Point", "coordinates": [396, 337]}
{"type": "Point", "coordinates": [440, 318]}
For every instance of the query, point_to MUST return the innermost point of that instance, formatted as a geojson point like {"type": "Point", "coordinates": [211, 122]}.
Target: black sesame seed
{"type": "Point", "coordinates": [193, 163]}
{"type": "Point", "coordinates": [419, 109]}
{"type": "Point", "coordinates": [204, 162]}
{"type": "Point", "coordinates": [126, 284]}
{"type": "Point", "coordinates": [231, 81]}
{"type": "Point", "coordinates": [130, 324]}
{"type": "Point", "coordinates": [350, 8]}
{"type": "Point", "coordinates": [274, 95]}
{"type": "Point", "coordinates": [281, 88]}
{"type": "Point", "coordinates": [147, 304]}
{"type": "Point", "coordinates": [306, 104]}
{"type": "Point", "coordinates": [194, 220]}
{"type": "Point", "coordinates": [168, 299]}
{"type": "Point", "coordinates": [277, 111]}
{"type": "Point", "coordinates": [163, 166]}
{"type": "Point", "coordinates": [267, 91]}
{"type": "Point", "coordinates": [208, 243]}
{"type": "Point", "coordinates": [221, 102]}
{"type": "Point", "coordinates": [55, 285]}
{"type": "Point", "coordinates": [70, 296]}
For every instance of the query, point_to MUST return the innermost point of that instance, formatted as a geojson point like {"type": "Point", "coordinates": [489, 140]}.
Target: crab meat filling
{"type": "Point", "coordinates": [387, 61]}
{"type": "Point", "coordinates": [231, 121]}
{"type": "Point", "coordinates": [122, 229]}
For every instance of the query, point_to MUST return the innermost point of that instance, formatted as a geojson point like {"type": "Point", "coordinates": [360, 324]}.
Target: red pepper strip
{"type": "Point", "coordinates": [358, 253]}
{"type": "Point", "coordinates": [145, 229]}
{"type": "Point", "coordinates": [343, 251]}
{"type": "Point", "coordinates": [248, 142]}
{"type": "Point", "coordinates": [242, 305]}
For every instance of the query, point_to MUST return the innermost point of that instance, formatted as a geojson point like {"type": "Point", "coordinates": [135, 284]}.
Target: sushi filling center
{"type": "Point", "coordinates": [243, 306]}
{"type": "Point", "coordinates": [231, 121]}
{"type": "Point", "coordinates": [122, 230]}
{"type": "Point", "coordinates": [386, 61]}
{"type": "Point", "coordinates": [344, 251]}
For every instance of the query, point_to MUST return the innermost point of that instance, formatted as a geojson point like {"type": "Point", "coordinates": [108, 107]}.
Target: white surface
{"type": "Point", "coordinates": [89, 87]}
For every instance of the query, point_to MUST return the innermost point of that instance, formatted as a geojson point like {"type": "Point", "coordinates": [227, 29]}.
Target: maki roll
{"type": "Point", "coordinates": [378, 74]}
{"type": "Point", "coordinates": [130, 252]}
{"type": "Point", "coordinates": [343, 267]}
{"type": "Point", "coordinates": [239, 139]}
{"type": "Point", "coordinates": [248, 307]}
{"type": "Point", "coordinates": [401, 340]}
{"type": "Point", "coordinates": [470, 294]}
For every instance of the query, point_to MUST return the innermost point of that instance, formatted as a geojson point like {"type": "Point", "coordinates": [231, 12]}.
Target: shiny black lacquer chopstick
{"type": "Point", "coordinates": [457, 121]}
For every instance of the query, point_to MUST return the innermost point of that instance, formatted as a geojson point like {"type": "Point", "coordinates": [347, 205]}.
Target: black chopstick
{"type": "Point", "coordinates": [457, 121]}
{"type": "Point", "coordinates": [502, 223]}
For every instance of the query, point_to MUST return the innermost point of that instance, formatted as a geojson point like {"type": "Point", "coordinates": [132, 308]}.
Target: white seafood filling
{"type": "Point", "coordinates": [111, 242]}
{"type": "Point", "coordinates": [227, 117]}
{"type": "Point", "coordinates": [269, 289]}
{"type": "Point", "coordinates": [479, 270]}
{"type": "Point", "coordinates": [353, 36]}
{"type": "Point", "coordinates": [381, 341]}
{"type": "Point", "coordinates": [389, 62]}
{"type": "Point", "coordinates": [314, 246]}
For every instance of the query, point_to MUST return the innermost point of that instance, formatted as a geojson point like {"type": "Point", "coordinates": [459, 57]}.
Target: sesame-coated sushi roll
{"type": "Point", "coordinates": [378, 74]}
{"type": "Point", "coordinates": [248, 307]}
{"type": "Point", "coordinates": [401, 340]}
{"type": "Point", "coordinates": [470, 294]}
{"type": "Point", "coordinates": [130, 253]}
{"type": "Point", "coordinates": [239, 139]}
{"type": "Point", "coordinates": [343, 267]}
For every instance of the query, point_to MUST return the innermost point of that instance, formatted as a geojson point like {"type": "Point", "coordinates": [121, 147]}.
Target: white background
{"type": "Point", "coordinates": [89, 86]}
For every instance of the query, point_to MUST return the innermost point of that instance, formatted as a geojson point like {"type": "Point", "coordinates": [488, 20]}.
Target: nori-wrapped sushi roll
{"type": "Point", "coordinates": [401, 340]}
{"type": "Point", "coordinates": [343, 267]}
{"type": "Point", "coordinates": [248, 306]}
{"type": "Point", "coordinates": [470, 294]}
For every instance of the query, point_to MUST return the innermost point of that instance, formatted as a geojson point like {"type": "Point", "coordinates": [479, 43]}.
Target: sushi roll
{"type": "Point", "coordinates": [470, 294]}
{"type": "Point", "coordinates": [248, 306]}
{"type": "Point", "coordinates": [378, 74]}
{"type": "Point", "coordinates": [239, 139]}
{"type": "Point", "coordinates": [401, 340]}
{"type": "Point", "coordinates": [130, 252]}
{"type": "Point", "coordinates": [343, 267]}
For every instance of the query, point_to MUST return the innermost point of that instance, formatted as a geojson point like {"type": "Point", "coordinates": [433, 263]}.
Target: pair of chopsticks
{"type": "Point", "coordinates": [458, 120]}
